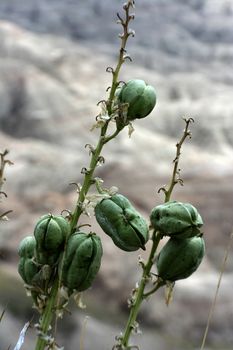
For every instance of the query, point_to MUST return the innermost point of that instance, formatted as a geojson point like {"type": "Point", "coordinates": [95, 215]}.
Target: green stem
{"type": "Point", "coordinates": [140, 291]}
{"type": "Point", "coordinates": [47, 317]}
{"type": "Point", "coordinates": [48, 314]}
{"type": "Point", "coordinates": [121, 57]}
{"type": "Point", "coordinates": [88, 179]}
{"type": "Point", "coordinates": [176, 172]}
{"type": "Point", "coordinates": [159, 283]}
{"type": "Point", "coordinates": [140, 295]}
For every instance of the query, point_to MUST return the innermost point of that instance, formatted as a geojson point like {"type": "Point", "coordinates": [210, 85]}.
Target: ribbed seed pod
{"type": "Point", "coordinates": [50, 234]}
{"type": "Point", "coordinates": [141, 98]}
{"type": "Point", "coordinates": [27, 267]}
{"type": "Point", "coordinates": [119, 220]}
{"type": "Point", "coordinates": [27, 247]}
{"type": "Point", "coordinates": [82, 261]}
{"type": "Point", "coordinates": [178, 259]}
{"type": "Point", "coordinates": [28, 270]}
{"type": "Point", "coordinates": [176, 219]}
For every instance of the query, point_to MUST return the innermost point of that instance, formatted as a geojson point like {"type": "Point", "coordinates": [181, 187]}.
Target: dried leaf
{"type": "Point", "coordinates": [169, 292]}
{"type": "Point", "coordinates": [79, 301]}
{"type": "Point", "coordinates": [130, 129]}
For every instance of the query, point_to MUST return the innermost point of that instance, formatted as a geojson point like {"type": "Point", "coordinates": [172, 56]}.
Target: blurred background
{"type": "Point", "coordinates": [53, 56]}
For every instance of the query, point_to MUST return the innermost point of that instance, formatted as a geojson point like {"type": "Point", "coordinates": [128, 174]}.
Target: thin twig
{"type": "Point", "coordinates": [3, 163]}
{"type": "Point", "coordinates": [223, 267]}
{"type": "Point", "coordinates": [176, 171]}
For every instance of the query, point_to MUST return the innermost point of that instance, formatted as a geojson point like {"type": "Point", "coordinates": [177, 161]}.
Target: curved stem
{"type": "Point", "coordinates": [213, 304]}
{"type": "Point", "coordinates": [159, 283]}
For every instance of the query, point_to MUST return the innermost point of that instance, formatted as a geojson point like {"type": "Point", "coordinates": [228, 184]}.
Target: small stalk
{"type": "Point", "coordinates": [213, 304]}
{"type": "Point", "coordinates": [47, 317]}
{"type": "Point", "coordinates": [3, 163]}
{"type": "Point", "coordinates": [122, 53]}
{"type": "Point", "coordinates": [140, 292]}
{"type": "Point", "coordinates": [140, 295]}
{"type": "Point", "coordinates": [88, 179]}
{"type": "Point", "coordinates": [176, 171]}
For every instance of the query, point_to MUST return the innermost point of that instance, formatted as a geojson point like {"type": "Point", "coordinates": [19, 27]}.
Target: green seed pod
{"type": "Point", "coordinates": [27, 267]}
{"type": "Point", "coordinates": [119, 220]}
{"type": "Point", "coordinates": [27, 247]}
{"type": "Point", "coordinates": [178, 259]}
{"type": "Point", "coordinates": [176, 219]}
{"type": "Point", "coordinates": [82, 261]}
{"type": "Point", "coordinates": [140, 97]}
{"type": "Point", "coordinates": [50, 234]}
{"type": "Point", "coordinates": [28, 270]}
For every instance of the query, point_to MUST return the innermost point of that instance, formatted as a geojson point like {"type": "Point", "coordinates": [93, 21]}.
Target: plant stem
{"type": "Point", "coordinates": [176, 171]}
{"type": "Point", "coordinates": [213, 304]}
{"type": "Point", "coordinates": [88, 179]}
{"type": "Point", "coordinates": [53, 301]}
{"type": "Point", "coordinates": [47, 317]}
{"type": "Point", "coordinates": [122, 53]}
{"type": "Point", "coordinates": [3, 163]}
{"type": "Point", "coordinates": [140, 291]}
{"type": "Point", "coordinates": [156, 237]}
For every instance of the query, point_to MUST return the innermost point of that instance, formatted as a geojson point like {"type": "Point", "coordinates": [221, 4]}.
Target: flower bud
{"type": "Point", "coordinates": [50, 233]}
{"type": "Point", "coordinates": [141, 98]}
{"type": "Point", "coordinates": [178, 259]}
{"type": "Point", "coordinates": [82, 261]}
{"type": "Point", "coordinates": [119, 220]}
{"type": "Point", "coordinates": [176, 219]}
